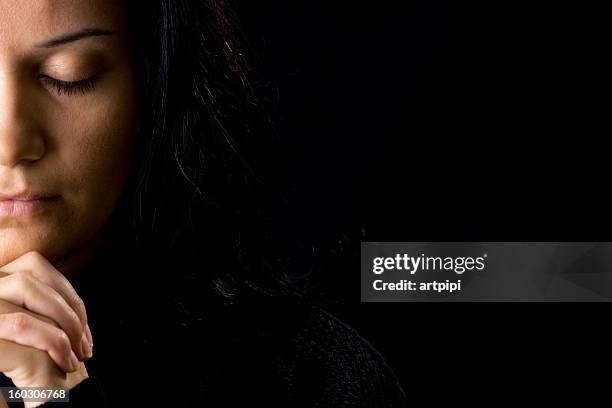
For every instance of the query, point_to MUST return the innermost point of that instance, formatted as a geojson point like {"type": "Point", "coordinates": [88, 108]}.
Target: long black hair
{"type": "Point", "coordinates": [203, 186]}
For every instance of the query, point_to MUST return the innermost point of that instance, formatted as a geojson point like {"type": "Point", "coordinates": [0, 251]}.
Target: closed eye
{"type": "Point", "coordinates": [70, 88]}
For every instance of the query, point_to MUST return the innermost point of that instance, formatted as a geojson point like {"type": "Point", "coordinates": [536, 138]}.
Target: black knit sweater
{"type": "Point", "coordinates": [323, 364]}
{"type": "Point", "coordinates": [266, 351]}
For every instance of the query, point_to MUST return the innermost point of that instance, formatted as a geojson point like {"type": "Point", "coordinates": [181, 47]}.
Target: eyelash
{"type": "Point", "coordinates": [70, 88]}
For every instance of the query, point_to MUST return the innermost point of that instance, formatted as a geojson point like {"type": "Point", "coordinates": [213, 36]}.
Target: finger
{"type": "Point", "coordinates": [13, 357]}
{"type": "Point", "coordinates": [20, 355]}
{"type": "Point", "coordinates": [8, 307]}
{"type": "Point", "coordinates": [24, 290]}
{"type": "Point", "coordinates": [46, 273]}
{"type": "Point", "coordinates": [21, 328]}
{"type": "Point", "coordinates": [29, 367]}
{"type": "Point", "coordinates": [89, 338]}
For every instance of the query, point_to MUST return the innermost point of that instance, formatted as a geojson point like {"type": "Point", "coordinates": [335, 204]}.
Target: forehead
{"type": "Point", "coordinates": [26, 22]}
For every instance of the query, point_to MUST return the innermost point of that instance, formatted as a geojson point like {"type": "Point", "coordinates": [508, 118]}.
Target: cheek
{"type": "Point", "coordinates": [93, 142]}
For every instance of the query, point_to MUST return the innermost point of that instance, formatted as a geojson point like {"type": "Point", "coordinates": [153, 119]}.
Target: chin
{"type": "Point", "coordinates": [15, 242]}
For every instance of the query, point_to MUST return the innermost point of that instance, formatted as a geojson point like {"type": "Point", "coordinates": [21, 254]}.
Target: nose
{"type": "Point", "coordinates": [20, 139]}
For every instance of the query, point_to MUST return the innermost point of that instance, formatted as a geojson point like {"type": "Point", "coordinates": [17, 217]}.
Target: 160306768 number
{"type": "Point", "coordinates": [34, 394]}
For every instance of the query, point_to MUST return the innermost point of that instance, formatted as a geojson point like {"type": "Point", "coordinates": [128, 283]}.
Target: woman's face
{"type": "Point", "coordinates": [67, 118]}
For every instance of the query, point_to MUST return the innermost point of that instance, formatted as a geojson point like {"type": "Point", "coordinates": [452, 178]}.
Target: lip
{"type": "Point", "coordinates": [24, 196]}
{"type": "Point", "coordinates": [24, 205]}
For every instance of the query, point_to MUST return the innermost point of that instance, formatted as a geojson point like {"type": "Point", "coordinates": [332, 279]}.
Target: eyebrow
{"type": "Point", "coordinates": [74, 36]}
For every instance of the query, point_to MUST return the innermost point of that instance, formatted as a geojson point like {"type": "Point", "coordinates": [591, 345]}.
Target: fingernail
{"type": "Point", "coordinates": [74, 360]}
{"type": "Point", "coordinates": [86, 349]}
{"type": "Point", "coordinates": [89, 336]}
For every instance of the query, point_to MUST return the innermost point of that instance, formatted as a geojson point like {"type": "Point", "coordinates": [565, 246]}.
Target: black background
{"type": "Point", "coordinates": [434, 121]}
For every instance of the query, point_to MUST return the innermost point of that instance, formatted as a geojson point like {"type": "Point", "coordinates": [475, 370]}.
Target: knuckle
{"type": "Point", "coordinates": [67, 310]}
{"type": "Point", "coordinates": [19, 321]}
{"type": "Point", "coordinates": [24, 279]}
{"type": "Point", "coordinates": [34, 257]}
{"type": "Point", "coordinates": [77, 301]}
{"type": "Point", "coordinates": [61, 342]}
{"type": "Point", "coordinates": [78, 304]}
{"type": "Point", "coordinates": [73, 322]}
{"type": "Point", "coordinates": [74, 319]}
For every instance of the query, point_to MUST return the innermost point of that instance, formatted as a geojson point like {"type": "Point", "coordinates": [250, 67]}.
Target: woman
{"type": "Point", "coordinates": [132, 218]}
